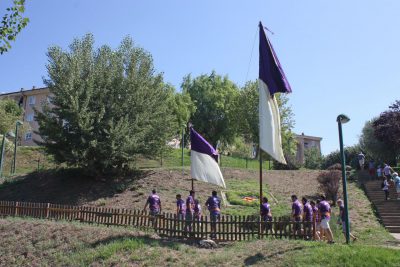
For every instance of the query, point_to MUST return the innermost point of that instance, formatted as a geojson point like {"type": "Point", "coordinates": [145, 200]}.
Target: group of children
{"type": "Point", "coordinates": [307, 211]}
{"type": "Point", "coordinates": [190, 209]}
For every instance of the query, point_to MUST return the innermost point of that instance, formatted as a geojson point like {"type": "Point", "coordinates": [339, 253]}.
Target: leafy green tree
{"type": "Point", "coordinates": [247, 117]}
{"type": "Point", "coordinates": [10, 112]}
{"type": "Point", "coordinates": [313, 158]}
{"type": "Point", "coordinates": [108, 106]}
{"type": "Point", "coordinates": [373, 147]}
{"type": "Point", "coordinates": [12, 23]}
{"type": "Point", "coordinates": [214, 97]}
{"type": "Point", "coordinates": [183, 108]}
{"type": "Point", "coordinates": [387, 128]}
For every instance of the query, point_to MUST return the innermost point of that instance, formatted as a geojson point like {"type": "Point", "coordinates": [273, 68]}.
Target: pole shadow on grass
{"type": "Point", "coordinates": [258, 257]}
{"type": "Point", "coordinates": [65, 186]}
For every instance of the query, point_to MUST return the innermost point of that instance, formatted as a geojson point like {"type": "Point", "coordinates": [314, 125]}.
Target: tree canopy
{"type": "Point", "coordinates": [387, 127]}
{"type": "Point", "coordinates": [373, 147]}
{"type": "Point", "coordinates": [11, 24]}
{"type": "Point", "coordinates": [214, 97]}
{"type": "Point", "coordinates": [247, 117]}
{"type": "Point", "coordinates": [10, 112]}
{"type": "Point", "coordinates": [107, 106]}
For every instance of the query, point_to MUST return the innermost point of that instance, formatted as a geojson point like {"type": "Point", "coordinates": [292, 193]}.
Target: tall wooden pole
{"type": "Point", "coordinates": [183, 147]}
{"type": "Point", "coordinates": [261, 178]}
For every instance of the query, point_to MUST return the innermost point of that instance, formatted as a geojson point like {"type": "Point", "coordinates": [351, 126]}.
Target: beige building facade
{"type": "Point", "coordinates": [29, 100]}
{"type": "Point", "coordinates": [305, 142]}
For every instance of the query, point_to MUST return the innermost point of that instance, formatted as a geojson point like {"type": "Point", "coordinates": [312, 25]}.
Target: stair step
{"type": "Point", "coordinates": [393, 229]}
{"type": "Point", "coordinates": [388, 210]}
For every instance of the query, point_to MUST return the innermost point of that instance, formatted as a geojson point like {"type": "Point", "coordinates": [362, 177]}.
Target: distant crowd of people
{"type": "Point", "coordinates": [383, 172]}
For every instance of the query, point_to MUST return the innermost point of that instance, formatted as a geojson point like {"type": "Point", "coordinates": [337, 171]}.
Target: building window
{"type": "Point", "coordinates": [31, 100]}
{"type": "Point", "coordinates": [48, 99]}
{"type": "Point", "coordinates": [313, 144]}
{"type": "Point", "coordinates": [30, 116]}
{"type": "Point", "coordinates": [28, 136]}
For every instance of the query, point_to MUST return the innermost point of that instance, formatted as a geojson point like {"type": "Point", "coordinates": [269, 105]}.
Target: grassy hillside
{"type": "Point", "coordinates": [30, 159]}
{"type": "Point", "coordinates": [40, 242]}
{"type": "Point", "coordinates": [28, 242]}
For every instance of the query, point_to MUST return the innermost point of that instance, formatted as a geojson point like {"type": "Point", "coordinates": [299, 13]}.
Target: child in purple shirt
{"type": "Point", "coordinates": [180, 206]}
{"type": "Point", "coordinates": [154, 203]}
{"type": "Point", "coordinates": [214, 206]}
{"type": "Point", "coordinates": [189, 211]}
{"type": "Point", "coordinates": [325, 212]}
{"type": "Point", "coordinates": [296, 214]}
{"type": "Point", "coordinates": [266, 214]}
{"type": "Point", "coordinates": [197, 209]}
{"type": "Point", "coordinates": [307, 210]}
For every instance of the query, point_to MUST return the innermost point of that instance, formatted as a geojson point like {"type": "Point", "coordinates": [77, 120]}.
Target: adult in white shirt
{"type": "Point", "coordinates": [387, 171]}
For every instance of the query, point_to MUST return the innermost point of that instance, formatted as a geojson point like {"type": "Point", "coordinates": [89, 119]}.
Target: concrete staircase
{"type": "Point", "coordinates": [388, 210]}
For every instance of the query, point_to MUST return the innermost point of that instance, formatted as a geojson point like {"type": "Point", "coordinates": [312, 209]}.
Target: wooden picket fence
{"type": "Point", "coordinates": [228, 228]}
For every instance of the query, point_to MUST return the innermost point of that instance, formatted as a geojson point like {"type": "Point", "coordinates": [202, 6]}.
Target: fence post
{"type": "Point", "coordinates": [16, 208]}
{"type": "Point", "coordinates": [47, 210]}
{"type": "Point", "coordinates": [314, 226]}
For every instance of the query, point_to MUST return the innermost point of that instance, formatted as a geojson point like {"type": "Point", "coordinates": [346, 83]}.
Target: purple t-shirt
{"type": "Point", "coordinates": [189, 204]}
{"type": "Point", "coordinates": [214, 205]}
{"type": "Point", "coordinates": [308, 212]}
{"type": "Point", "coordinates": [325, 209]}
{"type": "Point", "coordinates": [180, 204]}
{"type": "Point", "coordinates": [154, 202]}
{"type": "Point", "coordinates": [265, 209]}
{"type": "Point", "coordinates": [296, 208]}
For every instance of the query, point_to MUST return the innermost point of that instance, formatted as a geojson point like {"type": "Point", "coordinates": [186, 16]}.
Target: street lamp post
{"type": "Point", "coordinates": [341, 119]}
{"type": "Point", "coordinates": [13, 166]}
{"type": "Point", "coordinates": [3, 144]}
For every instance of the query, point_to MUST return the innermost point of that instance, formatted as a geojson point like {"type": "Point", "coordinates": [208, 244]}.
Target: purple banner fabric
{"type": "Point", "coordinates": [270, 71]}
{"type": "Point", "coordinates": [199, 144]}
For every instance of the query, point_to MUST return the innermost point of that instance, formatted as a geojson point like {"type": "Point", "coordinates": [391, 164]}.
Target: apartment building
{"type": "Point", "coordinates": [305, 142]}
{"type": "Point", "coordinates": [29, 100]}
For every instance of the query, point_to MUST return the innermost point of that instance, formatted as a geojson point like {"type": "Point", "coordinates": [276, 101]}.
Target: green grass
{"type": "Point", "coordinates": [317, 254]}
{"type": "Point", "coordinates": [173, 158]}
{"type": "Point", "coordinates": [237, 189]}
{"type": "Point", "coordinates": [85, 256]}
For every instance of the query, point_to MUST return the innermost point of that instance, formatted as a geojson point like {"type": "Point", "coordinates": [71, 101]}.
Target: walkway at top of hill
{"type": "Point", "coordinates": [388, 210]}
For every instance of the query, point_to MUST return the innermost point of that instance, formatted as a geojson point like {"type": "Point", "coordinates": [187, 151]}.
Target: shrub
{"type": "Point", "coordinates": [329, 182]}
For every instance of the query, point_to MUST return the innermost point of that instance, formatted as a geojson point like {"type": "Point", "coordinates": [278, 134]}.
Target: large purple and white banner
{"type": "Point", "coordinates": [271, 79]}
{"type": "Point", "coordinates": [204, 161]}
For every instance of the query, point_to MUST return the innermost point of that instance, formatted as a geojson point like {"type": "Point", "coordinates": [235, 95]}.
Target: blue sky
{"type": "Point", "coordinates": [339, 56]}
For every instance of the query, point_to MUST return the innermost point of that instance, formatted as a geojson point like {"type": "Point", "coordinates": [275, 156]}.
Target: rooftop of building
{"type": "Point", "coordinates": [303, 136]}
{"type": "Point", "coordinates": [31, 91]}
